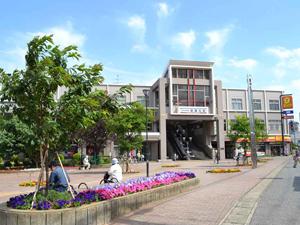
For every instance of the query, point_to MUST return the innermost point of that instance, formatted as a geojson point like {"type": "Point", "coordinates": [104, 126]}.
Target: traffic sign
{"type": "Point", "coordinates": [286, 112]}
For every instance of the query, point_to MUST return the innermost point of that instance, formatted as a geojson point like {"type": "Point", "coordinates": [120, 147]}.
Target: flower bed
{"type": "Point", "coordinates": [221, 170]}
{"type": "Point", "coordinates": [31, 183]}
{"type": "Point", "coordinates": [99, 193]}
{"type": "Point", "coordinates": [170, 165]}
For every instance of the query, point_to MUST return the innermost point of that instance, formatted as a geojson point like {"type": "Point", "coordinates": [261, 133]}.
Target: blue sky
{"type": "Point", "coordinates": [135, 39]}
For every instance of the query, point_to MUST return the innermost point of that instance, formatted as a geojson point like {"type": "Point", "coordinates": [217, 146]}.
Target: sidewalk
{"type": "Point", "coordinates": [206, 205]}
{"type": "Point", "coordinates": [10, 180]}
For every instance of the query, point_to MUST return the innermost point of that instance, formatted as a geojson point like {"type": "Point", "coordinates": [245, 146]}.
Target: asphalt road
{"type": "Point", "coordinates": [280, 202]}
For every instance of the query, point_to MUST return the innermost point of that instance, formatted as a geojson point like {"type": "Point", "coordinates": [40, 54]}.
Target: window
{"type": "Point", "coordinates": [274, 125]}
{"type": "Point", "coordinates": [256, 104]}
{"type": "Point", "coordinates": [206, 74]}
{"type": "Point", "coordinates": [274, 104]}
{"type": "Point", "coordinates": [182, 73]}
{"type": "Point", "coordinates": [174, 72]}
{"type": "Point", "coordinates": [141, 99]}
{"type": "Point", "coordinates": [192, 95]}
{"type": "Point", "coordinates": [198, 74]}
{"type": "Point", "coordinates": [225, 125]}
{"type": "Point", "coordinates": [121, 100]}
{"type": "Point", "coordinates": [237, 103]}
{"type": "Point", "coordinates": [190, 74]}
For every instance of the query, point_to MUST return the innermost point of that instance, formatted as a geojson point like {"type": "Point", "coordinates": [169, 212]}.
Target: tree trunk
{"type": "Point", "coordinates": [43, 158]}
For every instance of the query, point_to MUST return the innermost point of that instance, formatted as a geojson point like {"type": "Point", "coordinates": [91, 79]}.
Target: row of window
{"type": "Point", "coordinates": [237, 104]}
{"type": "Point", "coordinates": [122, 100]}
{"type": "Point", "coordinates": [191, 95]}
{"type": "Point", "coordinates": [190, 73]}
{"type": "Point", "coordinates": [273, 125]}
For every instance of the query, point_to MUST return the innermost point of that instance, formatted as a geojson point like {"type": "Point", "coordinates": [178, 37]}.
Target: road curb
{"type": "Point", "coordinates": [242, 211]}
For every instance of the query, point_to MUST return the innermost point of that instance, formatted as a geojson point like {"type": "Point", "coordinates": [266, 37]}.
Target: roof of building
{"type": "Point", "coordinates": [190, 63]}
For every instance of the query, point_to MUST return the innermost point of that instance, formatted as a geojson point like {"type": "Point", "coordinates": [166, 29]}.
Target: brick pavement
{"type": "Point", "coordinates": [9, 181]}
{"type": "Point", "coordinates": [206, 205]}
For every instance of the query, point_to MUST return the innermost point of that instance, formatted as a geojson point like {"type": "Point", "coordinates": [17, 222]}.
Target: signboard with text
{"type": "Point", "coordinates": [286, 102]}
{"type": "Point", "coordinates": [191, 109]}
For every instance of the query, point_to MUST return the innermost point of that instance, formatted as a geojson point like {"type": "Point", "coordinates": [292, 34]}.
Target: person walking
{"type": "Point", "coordinates": [296, 158]}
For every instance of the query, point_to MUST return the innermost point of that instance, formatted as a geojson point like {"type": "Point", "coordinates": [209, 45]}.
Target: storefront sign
{"type": "Point", "coordinates": [191, 109]}
{"type": "Point", "coordinates": [286, 102]}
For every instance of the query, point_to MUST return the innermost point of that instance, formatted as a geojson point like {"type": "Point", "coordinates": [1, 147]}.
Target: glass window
{"type": "Point", "coordinates": [182, 73]}
{"type": "Point", "coordinates": [190, 74]}
{"type": "Point", "coordinates": [207, 91]}
{"type": "Point", "coordinates": [256, 104]}
{"type": "Point", "coordinates": [198, 74]}
{"type": "Point", "coordinates": [206, 74]}
{"type": "Point", "coordinates": [237, 103]}
{"type": "Point", "coordinates": [274, 104]}
{"type": "Point", "coordinates": [121, 100]}
{"type": "Point", "coordinates": [274, 125]}
{"type": "Point", "coordinates": [175, 89]}
{"type": "Point", "coordinates": [182, 97]}
{"type": "Point", "coordinates": [225, 125]}
{"type": "Point", "coordinates": [141, 99]}
{"type": "Point", "coordinates": [174, 72]}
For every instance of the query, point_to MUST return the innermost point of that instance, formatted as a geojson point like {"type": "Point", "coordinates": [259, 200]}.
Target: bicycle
{"type": "Point", "coordinates": [109, 181]}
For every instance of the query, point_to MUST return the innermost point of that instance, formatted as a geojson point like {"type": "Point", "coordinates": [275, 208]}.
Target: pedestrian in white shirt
{"type": "Point", "coordinates": [115, 170]}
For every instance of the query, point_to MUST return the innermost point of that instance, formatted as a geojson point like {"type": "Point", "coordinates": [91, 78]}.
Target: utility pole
{"type": "Point", "coordinates": [252, 123]}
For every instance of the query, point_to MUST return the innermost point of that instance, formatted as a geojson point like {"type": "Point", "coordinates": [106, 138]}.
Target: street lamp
{"type": "Point", "coordinates": [146, 94]}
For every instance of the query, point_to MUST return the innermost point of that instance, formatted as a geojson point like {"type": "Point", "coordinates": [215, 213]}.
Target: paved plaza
{"type": "Point", "coordinates": [207, 204]}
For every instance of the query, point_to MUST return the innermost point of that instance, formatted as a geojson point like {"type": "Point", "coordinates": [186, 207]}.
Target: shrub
{"type": "Point", "coordinates": [105, 160]}
{"type": "Point", "coordinates": [69, 162]}
{"type": "Point", "coordinates": [1, 163]}
{"type": "Point", "coordinates": [77, 159]}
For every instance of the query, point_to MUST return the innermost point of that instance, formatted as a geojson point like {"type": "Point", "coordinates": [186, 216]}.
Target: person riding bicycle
{"type": "Point", "coordinates": [114, 174]}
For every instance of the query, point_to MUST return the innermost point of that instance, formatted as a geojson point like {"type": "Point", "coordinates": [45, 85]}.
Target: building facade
{"type": "Point", "coordinates": [192, 113]}
{"type": "Point", "coordinates": [266, 105]}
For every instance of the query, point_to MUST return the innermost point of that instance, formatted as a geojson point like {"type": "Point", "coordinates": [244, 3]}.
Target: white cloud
{"type": "Point", "coordinates": [14, 55]}
{"type": "Point", "coordinates": [288, 60]}
{"type": "Point", "coordinates": [284, 53]}
{"type": "Point", "coordinates": [216, 40]}
{"type": "Point", "coordinates": [184, 41]}
{"type": "Point", "coordinates": [62, 35]}
{"type": "Point", "coordinates": [247, 64]}
{"type": "Point", "coordinates": [137, 25]}
{"type": "Point", "coordinates": [163, 9]}
{"type": "Point", "coordinates": [295, 83]}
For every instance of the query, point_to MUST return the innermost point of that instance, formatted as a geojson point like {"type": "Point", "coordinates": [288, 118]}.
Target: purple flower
{"type": "Point", "coordinates": [44, 205]}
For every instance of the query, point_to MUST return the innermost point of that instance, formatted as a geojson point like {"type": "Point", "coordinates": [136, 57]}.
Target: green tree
{"type": "Point", "coordinates": [16, 137]}
{"type": "Point", "coordinates": [240, 130]}
{"type": "Point", "coordinates": [128, 124]}
{"type": "Point", "coordinates": [32, 90]}
{"type": "Point", "coordinates": [87, 115]}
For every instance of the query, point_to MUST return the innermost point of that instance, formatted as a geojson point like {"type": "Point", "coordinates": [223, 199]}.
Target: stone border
{"type": "Point", "coordinates": [95, 213]}
{"type": "Point", "coordinates": [241, 213]}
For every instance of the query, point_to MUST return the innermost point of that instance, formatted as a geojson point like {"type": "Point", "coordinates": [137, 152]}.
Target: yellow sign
{"type": "Point", "coordinates": [287, 102]}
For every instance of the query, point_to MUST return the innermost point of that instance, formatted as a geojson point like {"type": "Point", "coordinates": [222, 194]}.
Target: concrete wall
{"type": "Point", "coordinates": [95, 213]}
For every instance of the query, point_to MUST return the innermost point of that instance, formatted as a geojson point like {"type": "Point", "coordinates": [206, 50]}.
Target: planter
{"type": "Point", "coordinates": [96, 213]}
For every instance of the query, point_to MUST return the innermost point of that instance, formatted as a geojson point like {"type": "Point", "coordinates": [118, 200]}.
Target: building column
{"type": "Point", "coordinates": [220, 138]}
{"type": "Point", "coordinates": [162, 120]}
